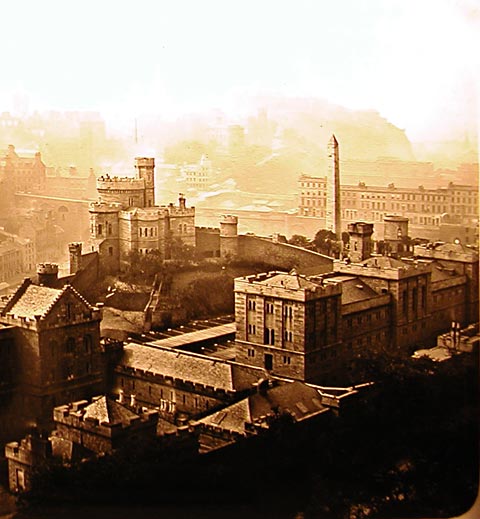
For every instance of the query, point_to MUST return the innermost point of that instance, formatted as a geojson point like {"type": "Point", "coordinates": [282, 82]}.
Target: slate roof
{"type": "Point", "coordinates": [109, 411]}
{"type": "Point", "coordinates": [441, 272]}
{"type": "Point", "coordinates": [180, 365]}
{"type": "Point", "coordinates": [453, 247]}
{"type": "Point", "coordinates": [353, 289]}
{"type": "Point", "coordinates": [292, 281]}
{"type": "Point", "coordinates": [296, 398]}
{"type": "Point", "coordinates": [385, 262]}
{"type": "Point", "coordinates": [31, 300]}
{"type": "Point", "coordinates": [36, 300]}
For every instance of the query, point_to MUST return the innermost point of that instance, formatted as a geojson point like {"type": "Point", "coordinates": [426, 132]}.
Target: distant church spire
{"type": "Point", "coordinates": [333, 209]}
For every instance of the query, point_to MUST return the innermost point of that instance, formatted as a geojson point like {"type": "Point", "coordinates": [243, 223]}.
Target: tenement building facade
{"type": "Point", "coordinates": [454, 204]}
{"type": "Point", "coordinates": [125, 219]}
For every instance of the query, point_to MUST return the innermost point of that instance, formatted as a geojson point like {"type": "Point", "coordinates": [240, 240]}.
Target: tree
{"type": "Point", "coordinates": [325, 241]}
{"type": "Point", "coordinates": [300, 241]}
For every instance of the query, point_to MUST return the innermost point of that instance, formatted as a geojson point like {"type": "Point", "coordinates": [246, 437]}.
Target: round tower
{"type": "Point", "coordinates": [229, 236]}
{"type": "Point", "coordinates": [145, 168]}
{"type": "Point", "coordinates": [395, 234]}
{"type": "Point", "coordinates": [47, 274]}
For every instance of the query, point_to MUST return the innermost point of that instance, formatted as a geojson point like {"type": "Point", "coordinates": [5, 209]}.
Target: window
{"type": "Point", "coordinates": [251, 352]}
{"type": "Point", "coordinates": [110, 251]}
{"type": "Point", "coordinates": [286, 359]}
{"type": "Point", "coordinates": [70, 345]}
{"type": "Point", "coordinates": [100, 228]}
{"type": "Point", "coordinates": [269, 308]}
{"type": "Point", "coordinates": [87, 343]}
{"type": "Point", "coordinates": [269, 336]}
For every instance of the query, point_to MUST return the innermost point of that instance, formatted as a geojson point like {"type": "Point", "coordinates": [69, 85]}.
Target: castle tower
{"type": "Point", "coordinates": [145, 168]}
{"type": "Point", "coordinates": [229, 236]}
{"type": "Point", "coordinates": [361, 245]}
{"type": "Point", "coordinates": [333, 210]}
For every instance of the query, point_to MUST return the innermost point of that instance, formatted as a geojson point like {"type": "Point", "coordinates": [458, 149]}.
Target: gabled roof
{"type": "Point", "coordinates": [32, 300]}
{"type": "Point", "coordinates": [296, 398]}
{"type": "Point", "coordinates": [109, 411]}
{"type": "Point", "coordinates": [36, 300]}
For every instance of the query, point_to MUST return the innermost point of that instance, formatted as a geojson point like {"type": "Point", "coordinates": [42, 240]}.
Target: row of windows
{"type": "Point", "coordinates": [107, 228]}
{"type": "Point", "coordinates": [162, 394]}
{"type": "Point", "coordinates": [73, 346]}
{"type": "Point", "coordinates": [147, 232]}
{"type": "Point", "coordinates": [358, 320]}
{"type": "Point", "coordinates": [270, 308]}
{"type": "Point", "coordinates": [69, 371]}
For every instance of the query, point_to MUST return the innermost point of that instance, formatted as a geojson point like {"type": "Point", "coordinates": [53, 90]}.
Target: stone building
{"type": "Point", "coordinates": [425, 208]}
{"type": "Point", "coordinates": [453, 260]}
{"type": "Point", "coordinates": [304, 327]}
{"type": "Point", "coordinates": [24, 173]}
{"type": "Point", "coordinates": [100, 426]}
{"type": "Point", "coordinates": [180, 384]}
{"type": "Point", "coordinates": [56, 349]}
{"type": "Point", "coordinates": [22, 457]}
{"type": "Point", "coordinates": [200, 175]}
{"type": "Point", "coordinates": [17, 256]}
{"type": "Point", "coordinates": [288, 324]}
{"type": "Point", "coordinates": [126, 220]}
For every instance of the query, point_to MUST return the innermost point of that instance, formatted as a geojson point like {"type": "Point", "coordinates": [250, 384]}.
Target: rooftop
{"type": "Point", "coordinates": [185, 366]}
{"type": "Point", "coordinates": [36, 300]}
{"type": "Point", "coordinates": [106, 410]}
{"type": "Point", "coordinates": [297, 399]}
{"type": "Point", "coordinates": [353, 288]}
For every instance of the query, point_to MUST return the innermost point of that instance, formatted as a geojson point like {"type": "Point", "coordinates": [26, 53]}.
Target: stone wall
{"type": "Point", "coordinates": [282, 255]}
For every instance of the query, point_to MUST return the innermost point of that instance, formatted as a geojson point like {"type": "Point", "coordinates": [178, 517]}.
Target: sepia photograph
{"type": "Point", "coordinates": [239, 259]}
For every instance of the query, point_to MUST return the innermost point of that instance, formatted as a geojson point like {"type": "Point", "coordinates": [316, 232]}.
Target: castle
{"type": "Point", "coordinates": [125, 220]}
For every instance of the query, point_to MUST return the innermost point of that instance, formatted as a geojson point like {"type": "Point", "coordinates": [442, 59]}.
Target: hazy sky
{"type": "Point", "coordinates": [415, 61]}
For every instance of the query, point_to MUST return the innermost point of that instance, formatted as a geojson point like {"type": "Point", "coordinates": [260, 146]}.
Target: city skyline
{"type": "Point", "coordinates": [412, 62]}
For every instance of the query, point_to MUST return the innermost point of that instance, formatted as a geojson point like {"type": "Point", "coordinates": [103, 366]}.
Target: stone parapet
{"type": "Point", "coordinates": [393, 273]}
